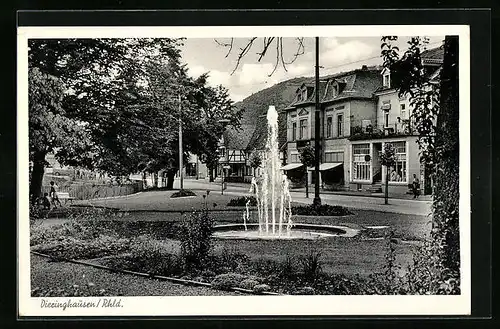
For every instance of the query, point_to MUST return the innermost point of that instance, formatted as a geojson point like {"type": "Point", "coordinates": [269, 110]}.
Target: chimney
{"type": "Point", "coordinates": [364, 68]}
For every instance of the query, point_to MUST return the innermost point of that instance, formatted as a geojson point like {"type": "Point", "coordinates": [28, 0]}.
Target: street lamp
{"type": "Point", "coordinates": [224, 123]}
{"type": "Point", "coordinates": [317, 127]}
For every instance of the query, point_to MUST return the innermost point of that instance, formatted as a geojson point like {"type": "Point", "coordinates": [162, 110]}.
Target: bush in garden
{"type": "Point", "coordinates": [195, 233]}
{"type": "Point", "coordinates": [321, 210]}
{"type": "Point", "coordinates": [152, 256]}
{"type": "Point", "coordinates": [242, 201]}
{"type": "Point", "coordinates": [248, 284]}
{"type": "Point", "coordinates": [71, 248]}
{"type": "Point", "coordinates": [182, 193]}
{"type": "Point", "coordinates": [228, 281]}
{"type": "Point", "coordinates": [227, 260]}
{"type": "Point", "coordinates": [311, 265]}
{"type": "Point", "coordinates": [260, 288]}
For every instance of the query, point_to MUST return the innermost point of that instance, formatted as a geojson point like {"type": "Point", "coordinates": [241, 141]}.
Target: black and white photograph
{"type": "Point", "coordinates": [320, 174]}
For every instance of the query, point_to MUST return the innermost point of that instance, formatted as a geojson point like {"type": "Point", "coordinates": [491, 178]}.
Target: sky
{"type": "Point", "coordinates": [336, 55]}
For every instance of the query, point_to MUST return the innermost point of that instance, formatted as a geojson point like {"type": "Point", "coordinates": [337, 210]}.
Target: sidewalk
{"type": "Point", "coordinates": [215, 186]}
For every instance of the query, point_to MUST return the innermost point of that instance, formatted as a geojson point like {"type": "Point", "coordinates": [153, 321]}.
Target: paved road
{"type": "Point", "coordinates": [401, 206]}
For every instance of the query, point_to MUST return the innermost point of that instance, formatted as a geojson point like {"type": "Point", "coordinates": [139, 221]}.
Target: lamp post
{"type": "Point", "coordinates": [317, 127]}
{"type": "Point", "coordinates": [180, 146]}
{"type": "Point", "coordinates": [224, 123]}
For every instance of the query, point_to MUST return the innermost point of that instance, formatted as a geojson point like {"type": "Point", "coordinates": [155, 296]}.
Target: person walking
{"type": "Point", "coordinates": [53, 195]}
{"type": "Point", "coordinates": [416, 186]}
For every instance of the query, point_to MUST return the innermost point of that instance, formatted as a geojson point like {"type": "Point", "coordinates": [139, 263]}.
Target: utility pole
{"type": "Point", "coordinates": [180, 145]}
{"type": "Point", "coordinates": [317, 127]}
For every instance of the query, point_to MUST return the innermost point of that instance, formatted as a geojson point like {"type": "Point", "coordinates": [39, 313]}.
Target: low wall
{"type": "Point", "coordinates": [92, 191]}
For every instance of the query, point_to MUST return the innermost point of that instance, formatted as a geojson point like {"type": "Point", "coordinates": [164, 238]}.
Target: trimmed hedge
{"type": "Point", "coordinates": [183, 193]}
{"type": "Point", "coordinates": [242, 201]}
{"type": "Point", "coordinates": [322, 210]}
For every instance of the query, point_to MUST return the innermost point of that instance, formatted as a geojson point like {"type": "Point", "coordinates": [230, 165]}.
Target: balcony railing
{"type": "Point", "coordinates": [403, 128]}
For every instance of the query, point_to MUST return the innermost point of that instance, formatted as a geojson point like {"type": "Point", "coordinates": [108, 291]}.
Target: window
{"type": "Point", "coordinates": [299, 97]}
{"type": "Point", "coordinates": [360, 167]}
{"type": "Point", "coordinates": [294, 131]}
{"type": "Point", "coordinates": [303, 129]}
{"type": "Point", "coordinates": [386, 119]}
{"type": "Point", "coordinates": [294, 158]}
{"type": "Point", "coordinates": [334, 156]}
{"type": "Point", "coordinates": [329, 124]}
{"type": "Point", "coordinates": [222, 152]}
{"type": "Point", "coordinates": [397, 173]}
{"type": "Point", "coordinates": [387, 80]}
{"type": "Point", "coordinates": [340, 125]}
{"type": "Point", "coordinates": [403, 111]}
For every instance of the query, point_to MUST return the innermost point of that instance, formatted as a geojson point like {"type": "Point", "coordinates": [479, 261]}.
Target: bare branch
{"type": "Point", "coordinates": [230, 45]}
{"type": "Point", "coordinates": [267, 43]}
{"type": "Point", "coordinates": [299, 52]}
{"type": "Point", "coordinates": [243, 52]}
{"type": "Point", "coordinates": [277, 58]}
{"type": "Point", "coordinates": [281, 55]}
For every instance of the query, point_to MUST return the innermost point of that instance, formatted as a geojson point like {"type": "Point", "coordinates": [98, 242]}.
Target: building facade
{"type": "Point", "coordinates": [361, 111]}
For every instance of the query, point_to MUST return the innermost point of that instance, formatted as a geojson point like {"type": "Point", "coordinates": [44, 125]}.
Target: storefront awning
{"type": "Point", "coordinates": [326, 166]}
{"type": "Point", "coordinates": [291, 166]}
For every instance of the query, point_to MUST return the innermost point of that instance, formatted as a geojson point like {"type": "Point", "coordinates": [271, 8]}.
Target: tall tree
{"type": "Point", "coordinates": [49, 128]}
{"type": "Point", "coordinates": [99, 77]}
{"type": "Point", "coordinates": [436, 115]}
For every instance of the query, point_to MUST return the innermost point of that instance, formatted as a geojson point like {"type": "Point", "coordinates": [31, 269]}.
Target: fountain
{"type": "Point", "coordinates": [274, 201]}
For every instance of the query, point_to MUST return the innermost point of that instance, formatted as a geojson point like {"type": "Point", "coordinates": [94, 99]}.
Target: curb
{"type": "Point", "coordinates": [113, 197]}
{"type": "Point", "coordinates": [152, 276]}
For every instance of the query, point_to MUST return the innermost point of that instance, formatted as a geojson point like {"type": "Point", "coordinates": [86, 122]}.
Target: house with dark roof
{"type": "Point", "coordinates": [346, 100]}
{"type": "Point", "coordinates": [361, 111]}
{"type": "Point", "coordinates": [233, 154]}
{"type": "Point", "coordinates": [393, 124]}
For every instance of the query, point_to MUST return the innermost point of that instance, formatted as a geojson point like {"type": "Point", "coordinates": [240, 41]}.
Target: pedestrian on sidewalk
{"type": "Point", "coordinates": [416, 186]}
{"type": "Point", "coordinates": [53, 195]}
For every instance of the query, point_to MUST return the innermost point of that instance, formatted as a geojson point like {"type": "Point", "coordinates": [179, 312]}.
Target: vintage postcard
{"type": "Point", "coordinates": [252, 170]}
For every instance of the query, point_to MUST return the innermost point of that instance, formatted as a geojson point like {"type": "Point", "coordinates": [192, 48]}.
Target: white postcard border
{"type": "Point", "coordinates": [247, 305]}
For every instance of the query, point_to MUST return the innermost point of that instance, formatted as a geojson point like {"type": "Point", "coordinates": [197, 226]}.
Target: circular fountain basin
{"type": "Point", "coordinates": [298, 232]}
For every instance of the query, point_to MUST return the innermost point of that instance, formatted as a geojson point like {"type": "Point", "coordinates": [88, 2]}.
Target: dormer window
{"type": "Point", "coordinates": [386, 79]}
{"type": "Point", "coordinates": [335, 89]}
{"type": "Point", "coordinates": [299, 97]}
{"type": "Point", "coordinates": [304, 94]}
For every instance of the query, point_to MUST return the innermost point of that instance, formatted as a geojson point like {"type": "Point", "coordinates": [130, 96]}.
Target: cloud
{"type": "Point", "coordinates": [334, 52]}
{"type": "Point", "coordinates": [215, 77]}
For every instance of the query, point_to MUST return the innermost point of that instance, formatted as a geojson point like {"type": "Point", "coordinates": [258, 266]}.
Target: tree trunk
{"type": "Point", "coordinates": [170, 179]}
{"type": "Point", "coordinates": [37, 175]}
{"type": "Point", "coordinates": [446, 189]}
{"type": "Point", "coordinates": [307, 184]}
{"type": "Point", "coordinates": [386, 185]}
{"type": "Point", "coordinates": [144, 181]}
{"type": "Point", "coordinates": [155, 176]}
{"type": "Point", "coordinates": [211, 172]}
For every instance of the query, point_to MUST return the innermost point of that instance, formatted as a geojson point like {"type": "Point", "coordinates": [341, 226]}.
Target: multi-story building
{"type": "Point", "coordinates": [233, 157]}
{"type": "Point", "coordinates": [346, 100]}
{"type": "Point", "coordinates": [360, 111]}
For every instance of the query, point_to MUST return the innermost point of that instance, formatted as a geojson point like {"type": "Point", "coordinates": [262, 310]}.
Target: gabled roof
{"type": "Point", "coordinates": [432, 60]}
{"type": "Point", "coordinates": [359, 83]}
{"type": "Point", "coordinates": [238, 139]}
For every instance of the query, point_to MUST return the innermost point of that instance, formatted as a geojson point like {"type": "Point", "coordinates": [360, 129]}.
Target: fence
{"type": "Point", "coordinates": [92, 191]}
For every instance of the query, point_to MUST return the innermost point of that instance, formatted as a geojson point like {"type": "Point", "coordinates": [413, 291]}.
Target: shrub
{"type": "Point", "coordinates": [195, 234]}
{"type": "Point", "coordinates": [228, 281]}
{"type": "Point", "coordinates": [150, 256]}
{"type": "Point", "coordinates": [182, 193]}
{"type": "Point", "coordinates": [321, 210]}
{"type": "Point", "coordinates": [249, 284]}
{"type": "Point", "coordinates": [260, 288]}
{"type": "Point", "coordinates": [227, 260]}
{"type": "Point", "coordinates": [71, 248]}
{"type": "Point", "coordinates": [311, 265]}
{"type": "Point", "coordinates": [242, 201]}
